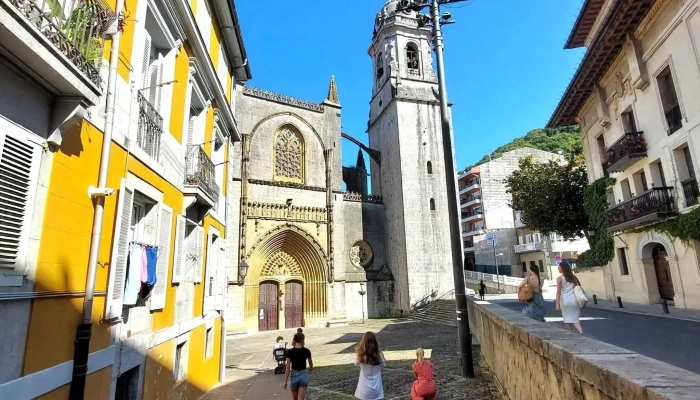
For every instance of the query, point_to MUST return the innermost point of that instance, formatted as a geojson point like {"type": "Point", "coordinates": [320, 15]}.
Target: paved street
{"type": "Point", "coordinates": [250, 365]}
{"type": "Point", "coordinates": [674, 341]}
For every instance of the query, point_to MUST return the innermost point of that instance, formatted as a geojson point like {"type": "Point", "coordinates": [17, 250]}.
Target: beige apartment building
{"type": "Point", "coordinates": [636, 96]}
{"type": "Point", "coordinates": [485, 206]}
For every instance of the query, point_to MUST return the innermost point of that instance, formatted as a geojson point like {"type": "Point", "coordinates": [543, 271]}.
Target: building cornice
{"type": "Point", "coordinates": [282, 99]}
{"type": "Point", "coordinates": [651, 17]}
{"type": "Point", "coordinates": [622, 19]}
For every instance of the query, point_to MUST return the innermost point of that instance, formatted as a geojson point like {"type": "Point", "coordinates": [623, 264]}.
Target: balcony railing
{"type": "Point", "coordinates": [74, 27]}
{"type": "Point", "coordinates": [625, 152]}
{"type": "Point", "coordinates": [528, 247]}
{"type": "Point", "coordinates": [674, 119]}
{"type": "Point", "coordinates": [649, 206]}
{"type": "Point", "coordinates": [691, 192]}
{"type": "Point", "coordinates": [200, 172]}
{"type": "Point", "coordinates": [150, 128]}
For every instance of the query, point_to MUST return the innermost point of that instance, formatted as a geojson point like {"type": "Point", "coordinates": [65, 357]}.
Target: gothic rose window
{"type": "Point", "coordinates": [289, 155]}
{"type": "Point", "coordinates": [361, 254]}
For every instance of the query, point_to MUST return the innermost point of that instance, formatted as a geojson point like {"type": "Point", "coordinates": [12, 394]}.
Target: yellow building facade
{"type": "Point", "coordinates": [163, 253]}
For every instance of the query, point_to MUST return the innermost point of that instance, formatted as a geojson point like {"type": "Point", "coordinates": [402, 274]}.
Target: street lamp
{"type": "Point", "coordinates": [435, 21]}
{"type": "Point", "coordinates": [242, 272]}
{"type": "Point", "coordinates": [362, 293]}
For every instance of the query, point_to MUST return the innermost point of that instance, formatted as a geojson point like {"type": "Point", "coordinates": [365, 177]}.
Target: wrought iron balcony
{"type": "Point", "coordinates": [200, 173]}
{"type": "Point", "coordinates": [150, 127]}
{"type": "Point", "coordinates": [691, 192]}
{"type": "Point", "coordinates": [625, 152]}
{"type": "Point", "coordinates": [650, 206]}
{"type": "Point", "coordinates": [674, 119]}
{"type": "Point", "coordinates": [74, 27]}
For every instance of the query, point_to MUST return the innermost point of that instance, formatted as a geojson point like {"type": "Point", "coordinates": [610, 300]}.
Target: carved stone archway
{"type": "Point", "coordinates": [287, 253]}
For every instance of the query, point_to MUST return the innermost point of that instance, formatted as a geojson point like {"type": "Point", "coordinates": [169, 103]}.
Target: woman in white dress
{"type": "Point", "coordinates": [371, 362]}
{"type": "Point", "coordinates": [566, 299]}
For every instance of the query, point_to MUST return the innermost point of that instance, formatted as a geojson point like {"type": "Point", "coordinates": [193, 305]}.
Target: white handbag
{"type": "Point", "coordinates": [581, 296]}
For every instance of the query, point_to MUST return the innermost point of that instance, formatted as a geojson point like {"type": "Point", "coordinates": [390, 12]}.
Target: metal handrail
{"type": "Point", "coordinates": [150, 128]}
{"type": "Point", "coordinates": [428, 305]}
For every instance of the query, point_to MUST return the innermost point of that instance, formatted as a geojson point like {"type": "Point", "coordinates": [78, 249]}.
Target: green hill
{"type": "Point", "coordinates": [554, 140]}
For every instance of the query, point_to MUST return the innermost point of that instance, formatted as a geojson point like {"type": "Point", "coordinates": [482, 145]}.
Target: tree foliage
{"type": "Point", "coordinates": [602, 245]}
{"type": "Point", "coordinates": [566, 140]}
{"type": "Point", "coordinates": [548, 196]}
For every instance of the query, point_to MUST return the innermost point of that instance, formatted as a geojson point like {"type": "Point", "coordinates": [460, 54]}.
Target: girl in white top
{"type": "Point", "coordinates": [371, 362]}
{"type": "Point", "coordinates": [566, 299]}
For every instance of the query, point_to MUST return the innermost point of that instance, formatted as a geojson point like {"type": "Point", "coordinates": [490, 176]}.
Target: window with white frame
{"type": "Point", "coordinates": [180, 362]}
{"type": "Point", "coordinates": [209, 344]}
{"type": "Point", "coordinates": [212, 262]}
{"type": "Point", "coordinates": [669, 100]}
{"type": "Point", "coordinates": [20, 159]}
{"type": "Point", "coordinates": [142, 234]}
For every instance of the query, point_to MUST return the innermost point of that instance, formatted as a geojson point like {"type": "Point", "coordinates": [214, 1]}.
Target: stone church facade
{"type": "Point", "coordinates": [318, 255]}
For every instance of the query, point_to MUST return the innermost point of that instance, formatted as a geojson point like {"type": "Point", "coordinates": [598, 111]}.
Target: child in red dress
{"type": "Point", "coordinates": [424, 387]}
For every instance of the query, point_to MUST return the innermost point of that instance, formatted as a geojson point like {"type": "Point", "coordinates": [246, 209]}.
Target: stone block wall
{"type": "Point", "coordinates": [535, 360]}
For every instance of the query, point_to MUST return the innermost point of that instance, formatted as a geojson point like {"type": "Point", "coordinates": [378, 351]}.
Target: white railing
{"type": "Point", "coordinates": [503, 279]}
{"type": "Point", "coordinates": [523, 248]}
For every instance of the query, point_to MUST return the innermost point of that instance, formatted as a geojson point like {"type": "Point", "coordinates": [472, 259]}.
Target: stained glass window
{"type": "Point", "coordinates": [289, 155]}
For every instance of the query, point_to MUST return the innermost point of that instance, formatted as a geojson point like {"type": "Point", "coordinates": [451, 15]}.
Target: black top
{"type": "Point", "coordinates": [298, 356]}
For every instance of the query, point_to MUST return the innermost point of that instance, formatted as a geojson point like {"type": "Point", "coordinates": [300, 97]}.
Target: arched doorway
{"type": "Point", "coordinates": [291, 259]}
{"type": "Point", "coordinates": [663, 272]}
{"type": "Point", "coordinates": [268, 306]}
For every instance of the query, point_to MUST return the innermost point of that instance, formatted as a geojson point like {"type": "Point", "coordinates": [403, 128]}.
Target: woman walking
{"type": "Point", "coordinates": [424, 386]}
{"type": "Point", "coordinates": [296, 367]}
{"type": "Point", "coordinates": [535, 307]}
{"type": "Point", "coordinates": [371, 362]}
{"type": "Point", "coordinates": [566, 299]}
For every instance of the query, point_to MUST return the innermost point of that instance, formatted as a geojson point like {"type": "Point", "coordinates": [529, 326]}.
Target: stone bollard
{"type": "Point", "coordinates": [664, 305]}
{"type": "Point", "coordinates": [595, 299]}
{"type": "Point", "coordinates": [619, 302]}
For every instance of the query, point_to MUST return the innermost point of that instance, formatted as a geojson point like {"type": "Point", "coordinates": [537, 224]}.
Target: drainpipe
{"type": "Point", "coordinates": [222, 346]}
{"type": "Point", "coordinates": [83, 333]}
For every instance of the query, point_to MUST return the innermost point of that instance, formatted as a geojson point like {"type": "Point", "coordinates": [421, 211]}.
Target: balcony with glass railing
{"type": "Point", "coordinates": [200, 177]}
{"type": "Point", "coordinates": [60, 41]}
{"type": "Point", "coordinates": [470, 201]}
{"type": "Point", "coordinates": [150, 129]}
{"type": "Point", "coordinates": [470, 186]}
{"type": "Point", "coordinates": [650, 206]}
{"type": "Point", "coordinates": [471, 215]}
{"type": "Point", "coordinates": [624, 152]}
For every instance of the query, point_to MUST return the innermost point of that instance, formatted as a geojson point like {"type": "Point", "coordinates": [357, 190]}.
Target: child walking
{"type": "Point", "coordinates": [371, 361]}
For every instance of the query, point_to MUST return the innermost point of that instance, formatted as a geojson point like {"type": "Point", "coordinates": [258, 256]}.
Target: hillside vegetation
{"type": "Point", "coordinates": [566, 140]}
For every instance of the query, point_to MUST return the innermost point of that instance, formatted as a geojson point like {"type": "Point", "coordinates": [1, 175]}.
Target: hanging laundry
{"type": "Point", "coordinates": [152, 257]}
{"type": "Point", "coordinates": [132, 285]}
{"type": "Point", "coordinates": [144, 265]}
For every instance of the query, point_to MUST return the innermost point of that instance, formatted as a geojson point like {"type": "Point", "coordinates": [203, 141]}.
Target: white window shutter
{"type": "Point", "coordinates": [120, 252]}
{"type": "Point", "coordinates": [20, 158]}
{"type": "Point", "coordinates": [199, 253]}
{"type": "Point", "coordinates": [179, 258]}
{"type": "Point", "coordinates": [159, 89]}
{"type": "Point", "coordinates": [164, 233]}
{"type": "Point", "coordinates": [146, 61]}
{"type": "Point", "coordinates": [153, 84]}
{"type": "Point", "coordinates": [210, 264]}
{"type": "Point", "coordinates": [221, 278]}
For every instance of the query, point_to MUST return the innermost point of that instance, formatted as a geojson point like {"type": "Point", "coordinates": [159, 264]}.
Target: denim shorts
{"type": "Point", "coordinates": [299, 378]}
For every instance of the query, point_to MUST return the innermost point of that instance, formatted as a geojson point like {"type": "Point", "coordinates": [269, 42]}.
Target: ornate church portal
{"type": "Point", "coordinates": [286, 285]}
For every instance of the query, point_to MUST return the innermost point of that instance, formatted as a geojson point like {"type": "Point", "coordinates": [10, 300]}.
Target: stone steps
{"type": "Point", "coordinates": [440, 311]}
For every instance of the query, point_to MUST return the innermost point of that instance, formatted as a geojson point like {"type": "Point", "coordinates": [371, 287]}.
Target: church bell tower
{"type": "Point", "coordinates": [404, 125]}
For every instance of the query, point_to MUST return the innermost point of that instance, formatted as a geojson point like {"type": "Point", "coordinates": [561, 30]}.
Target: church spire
{"type": "Point", "coordinates": [333, 92]}
{"type": "Point", "coordinates": [360, 164]}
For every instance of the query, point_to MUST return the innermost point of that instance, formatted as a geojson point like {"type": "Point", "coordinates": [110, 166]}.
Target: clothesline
{"type": "Point", "coordinates": [144, 244]}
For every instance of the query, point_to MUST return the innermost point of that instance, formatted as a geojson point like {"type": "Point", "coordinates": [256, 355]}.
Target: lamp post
{"type": "Point", "coordinates": [362, 293]}
{"type": "Point", "coordinates": [498, 275]}
{"type": "Point", "coordinates": [435, 20]}
{"type": "Point", "coordinates": [242, 272]}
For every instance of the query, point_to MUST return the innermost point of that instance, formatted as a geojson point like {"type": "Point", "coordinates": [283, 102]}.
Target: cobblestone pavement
{"type": "Point", "coordinates": [250, 364]}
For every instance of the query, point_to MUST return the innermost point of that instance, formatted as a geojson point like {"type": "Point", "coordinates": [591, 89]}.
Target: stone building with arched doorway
{"type": "Point", "coordinates": [317, 247]}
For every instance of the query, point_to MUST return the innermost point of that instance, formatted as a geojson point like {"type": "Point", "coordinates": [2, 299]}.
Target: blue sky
{"type": "Point", "coordinates": [505, 64]}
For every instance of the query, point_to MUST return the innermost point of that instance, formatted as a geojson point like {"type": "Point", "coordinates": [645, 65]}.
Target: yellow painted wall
{"type": "Point", "coordinates": [97, 386]}
{"type": "Point", "coordinates": [178, 114]}
{"type": "Point", "coordinates": [203, 373]}
{"type": "Point", "coordinates": [209, 130]}
{"type": "Point", "coordinates": [215, 41]}
{"type": "Point", "coordinates": [158, 377]}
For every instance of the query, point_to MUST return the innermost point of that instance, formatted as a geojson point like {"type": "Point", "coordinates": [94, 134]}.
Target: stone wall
{"type": "Point", "coordinates": [593, 282]}
{"type": "Point", "coordinates": [535, 360]}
